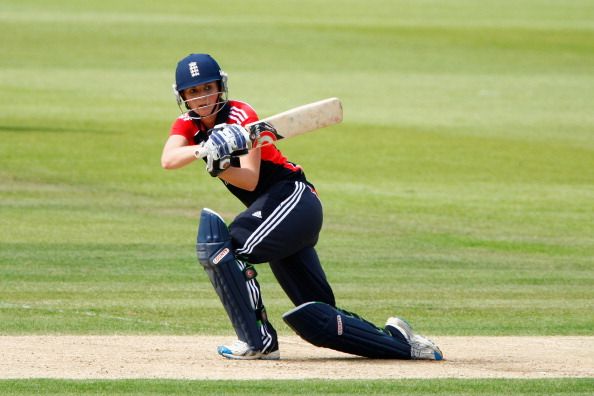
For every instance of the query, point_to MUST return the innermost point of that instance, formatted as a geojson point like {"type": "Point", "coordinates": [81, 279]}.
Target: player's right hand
{"type": "Point", "coordinates": [224, 141]}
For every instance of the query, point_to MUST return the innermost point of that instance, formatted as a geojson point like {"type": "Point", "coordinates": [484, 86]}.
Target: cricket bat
{"type": "Point", "coordinates": [293, 122]}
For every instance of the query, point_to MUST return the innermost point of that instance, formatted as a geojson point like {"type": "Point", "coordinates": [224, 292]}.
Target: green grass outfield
{"type": "Point", "coordinates": [458, 192]}
{"type": "Point", "coordinates": [497, 387]}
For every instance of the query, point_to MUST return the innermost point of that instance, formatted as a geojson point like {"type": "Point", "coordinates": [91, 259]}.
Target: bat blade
{"type": "Point", "coordinates": [297, 121]}
{"type": "Point", "coordinates": [293, 122]}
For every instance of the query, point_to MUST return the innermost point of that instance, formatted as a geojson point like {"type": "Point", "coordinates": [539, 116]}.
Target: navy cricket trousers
{"type": "Point", "coordinates": [282, 227]}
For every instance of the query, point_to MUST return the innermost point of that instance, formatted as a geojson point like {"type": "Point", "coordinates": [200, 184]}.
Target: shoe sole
{"type": "Point", "coordinates": [260, 356]}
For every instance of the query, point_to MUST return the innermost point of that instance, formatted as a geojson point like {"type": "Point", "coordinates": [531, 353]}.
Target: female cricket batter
{"type": "Point", "coordinates": [280, 226]}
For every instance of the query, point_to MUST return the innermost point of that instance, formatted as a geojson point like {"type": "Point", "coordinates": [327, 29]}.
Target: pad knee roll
{"type": "Point", "coordinates": [213, 244]}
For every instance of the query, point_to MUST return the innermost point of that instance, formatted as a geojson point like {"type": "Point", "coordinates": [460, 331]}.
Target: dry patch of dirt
{"type": "Point", "coordinates": [195, 357]}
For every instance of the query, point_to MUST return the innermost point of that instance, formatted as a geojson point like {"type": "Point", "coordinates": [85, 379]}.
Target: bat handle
{"type": "Point", "coordinates": [200, 151]}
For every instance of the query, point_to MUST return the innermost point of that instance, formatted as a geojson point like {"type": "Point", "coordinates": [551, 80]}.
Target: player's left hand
{"type": "Point", "coordinates": [215, 167]}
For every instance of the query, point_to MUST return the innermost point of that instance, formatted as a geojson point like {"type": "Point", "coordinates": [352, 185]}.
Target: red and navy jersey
{"type": "Point", "coordinates": [274, 167]}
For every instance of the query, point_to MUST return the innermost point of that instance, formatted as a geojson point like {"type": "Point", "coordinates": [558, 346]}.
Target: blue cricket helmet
{"type": "Point", "coordinates": [198, 69]}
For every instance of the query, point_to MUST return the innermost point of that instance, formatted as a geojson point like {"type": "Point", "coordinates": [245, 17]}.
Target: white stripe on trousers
{"type": "Point", "coordinates": [273, 220]}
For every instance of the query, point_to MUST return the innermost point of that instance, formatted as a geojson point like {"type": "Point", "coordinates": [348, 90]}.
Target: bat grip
{"type": "Point", "coordinates": [200, 151]}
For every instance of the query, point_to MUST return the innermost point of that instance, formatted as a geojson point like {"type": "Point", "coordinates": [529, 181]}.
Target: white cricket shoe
{"type": "Point", "coordinates": [420, 347]}
{"type": "Point", "coordinates": [241, 351]}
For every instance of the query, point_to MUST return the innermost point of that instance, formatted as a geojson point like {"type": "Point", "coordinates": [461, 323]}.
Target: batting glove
{"type": "Point", "coordinates": [224, 141]}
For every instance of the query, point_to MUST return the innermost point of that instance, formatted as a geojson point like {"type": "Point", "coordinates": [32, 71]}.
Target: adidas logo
{"type": "Point", "coordinates": [257, 214]}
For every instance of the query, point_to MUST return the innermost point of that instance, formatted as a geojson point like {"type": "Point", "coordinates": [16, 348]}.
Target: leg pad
{"type": "Point", "coordinates": [239, 295]}
{"type": "Point", "coordinates": [325, 326]}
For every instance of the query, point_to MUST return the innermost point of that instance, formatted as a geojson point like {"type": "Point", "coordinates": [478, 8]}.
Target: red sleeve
{"type": "Point", "coordinates": [241, 113]}
{"type": "Point", "coordinates": [184, 126]}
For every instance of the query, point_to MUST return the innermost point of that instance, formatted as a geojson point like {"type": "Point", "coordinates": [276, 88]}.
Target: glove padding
{"type": "Point", "coordinates": [225, 140]}
{"type": "Point", "coordinates": [259, 127]}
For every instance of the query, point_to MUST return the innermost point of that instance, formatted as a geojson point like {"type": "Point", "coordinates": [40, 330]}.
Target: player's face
{"type": "Point", "coordinates": [202, 98]}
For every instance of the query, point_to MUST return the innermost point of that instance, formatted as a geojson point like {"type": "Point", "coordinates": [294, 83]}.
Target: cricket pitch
{"type": "Point", "coordinates": [195, 357]}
